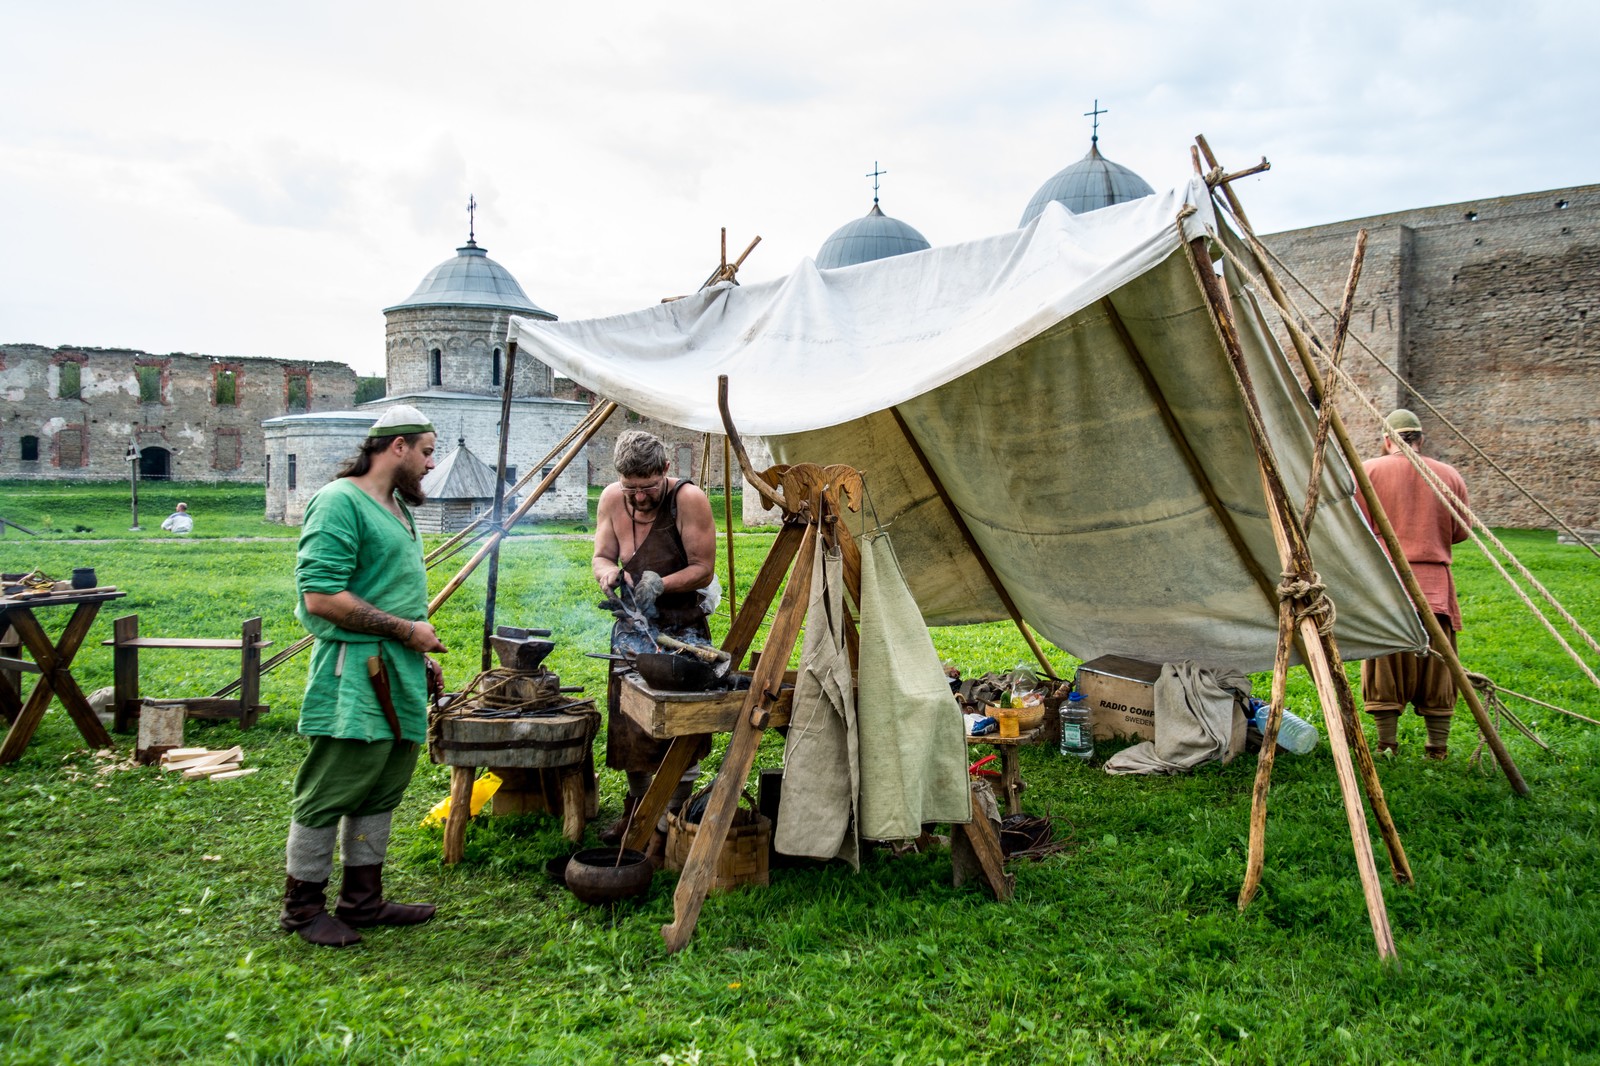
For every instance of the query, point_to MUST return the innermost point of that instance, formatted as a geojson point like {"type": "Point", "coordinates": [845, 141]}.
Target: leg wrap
{"type": "Point", "coordinates": [309, 855]}
{"type": "Point", "coordinates": [1438, 730]}
{"type": "Point", "coordinates": [364, 840]}
{"type": "Point", "coordinates": [1388, 729]}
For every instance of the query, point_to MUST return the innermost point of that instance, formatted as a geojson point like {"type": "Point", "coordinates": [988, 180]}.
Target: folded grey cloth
{"type": "Point", "coordinates": [1197, 720]}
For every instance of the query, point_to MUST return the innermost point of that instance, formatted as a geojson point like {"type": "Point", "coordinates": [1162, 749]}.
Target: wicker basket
{"type": "Point", "coordinates": [1027, 717]}
{"type": "Point", "coordinates": [745, 851]}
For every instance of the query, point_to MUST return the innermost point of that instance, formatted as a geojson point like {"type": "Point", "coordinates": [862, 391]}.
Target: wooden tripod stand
{"type": "Point", "coordinates": [813, 499]}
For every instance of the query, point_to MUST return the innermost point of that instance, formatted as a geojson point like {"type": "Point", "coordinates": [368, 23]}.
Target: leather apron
{"type": "Point", "coordinates": [629, 747]}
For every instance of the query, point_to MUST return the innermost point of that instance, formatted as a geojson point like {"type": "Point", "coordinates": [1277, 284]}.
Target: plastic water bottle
{"type": "Point", "coordinates": [1295, 734]}
{"type": "Point", "coordinates": [1077, 736]}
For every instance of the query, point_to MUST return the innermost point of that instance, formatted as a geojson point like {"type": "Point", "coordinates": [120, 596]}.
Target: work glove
{"type": "Point", "coordinates": [645, 591]}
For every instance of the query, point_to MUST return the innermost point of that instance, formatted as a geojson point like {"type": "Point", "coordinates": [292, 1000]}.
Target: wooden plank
{"type": "Point", "coordinates": [20, 665]}
{"type": "Point", "coordinates": [175, 758]}
{"type": "Point", "coordinates": [206, 771]}
{"type": "Point", "coordinates": [228, 775]}
{"type": "Point", "coordinates": [980, 835]}
{"type": "Point", "coordinates": [216, 758]}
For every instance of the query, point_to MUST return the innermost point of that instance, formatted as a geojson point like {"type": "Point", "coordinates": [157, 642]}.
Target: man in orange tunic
{"type": "Point", "coordinates": [1426, 528]}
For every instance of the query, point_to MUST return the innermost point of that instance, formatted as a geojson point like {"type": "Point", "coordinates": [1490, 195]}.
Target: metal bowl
{"type": "Point", "coordinates": [602, 875]}
{"type": "Point", "coordinates": [670, 672]}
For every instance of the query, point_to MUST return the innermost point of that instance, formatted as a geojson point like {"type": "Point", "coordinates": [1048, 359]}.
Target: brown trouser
{"type": "Point", "coordinates": [1392, 681]}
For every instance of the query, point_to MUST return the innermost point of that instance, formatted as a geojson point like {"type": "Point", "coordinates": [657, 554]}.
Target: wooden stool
{"type": "Point", "coordinates": [126, 642]}
{"type": "Point", "coordinates": [545, 762]}
{"type": "Point", "coordinates": [1011, 783]}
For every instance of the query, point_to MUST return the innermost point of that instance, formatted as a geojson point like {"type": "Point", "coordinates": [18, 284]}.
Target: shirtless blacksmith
{"type": "Point", "coordinates": [655, 533]}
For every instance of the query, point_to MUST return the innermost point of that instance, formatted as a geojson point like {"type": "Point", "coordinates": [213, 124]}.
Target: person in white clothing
{"type": "Point", "coordinates": [179, 521]}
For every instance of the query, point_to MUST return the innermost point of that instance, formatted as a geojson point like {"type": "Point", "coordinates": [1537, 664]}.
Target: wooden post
{"type": "Point", "coordinates": [249, 671]}
{"type": "Point", "coordinates": [124, 672]}
{"type": "Point", "coordinates": [1295, 559]}
{"type": "Point", "coordinates": [455, 824]}
{"type": "Point", "coordinates": [1436, 635]}
{"type": "Point", "coordinates": [498, 510]}
{"type": "Point", "coordinates": [732, 591]}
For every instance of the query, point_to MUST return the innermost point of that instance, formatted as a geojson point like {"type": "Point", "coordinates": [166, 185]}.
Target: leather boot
{"type": "Point", "coordinates": [1437, 752]}
{"type": "Point", "coordinates": [305, 911]}
{"type": "Point", "coordinates": [656, 849]}
{"type": "Point", "coordinates": [361, 903]}
{"type": "Point", "coordinates": [612, 834]}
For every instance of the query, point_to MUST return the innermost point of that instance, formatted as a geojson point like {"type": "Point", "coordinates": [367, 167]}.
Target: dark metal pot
{"type": "Point", "coordinates": [668, 672]}
{"type": "Point", "coordinates": [602, 875]}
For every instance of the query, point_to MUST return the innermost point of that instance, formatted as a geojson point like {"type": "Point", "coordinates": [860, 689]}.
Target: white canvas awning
{"type": "Point", "coordinates": [1067, 386]}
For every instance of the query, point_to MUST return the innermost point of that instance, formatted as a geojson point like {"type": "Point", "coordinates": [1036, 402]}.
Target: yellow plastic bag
{"type": "Point", "coordinates": [482, 789]}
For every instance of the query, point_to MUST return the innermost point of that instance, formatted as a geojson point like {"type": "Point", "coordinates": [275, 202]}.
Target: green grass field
{"type": "Point", "coordinates": [139, 911]}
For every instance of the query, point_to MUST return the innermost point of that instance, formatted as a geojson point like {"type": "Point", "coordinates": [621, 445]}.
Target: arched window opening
{"type": "Point", "coordinates": [436, 367]}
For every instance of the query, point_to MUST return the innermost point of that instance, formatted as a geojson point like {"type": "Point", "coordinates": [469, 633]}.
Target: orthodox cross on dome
{"type": "Point", "coordinates": [1097, 112]}
{"type": "Point", "coordinates": [875, 175]}
{"type": "Point", "coordinates": [472, 210]}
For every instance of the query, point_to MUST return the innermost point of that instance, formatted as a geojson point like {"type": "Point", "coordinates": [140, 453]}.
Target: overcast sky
{"type": "Point", "coordinates": [262, 180]}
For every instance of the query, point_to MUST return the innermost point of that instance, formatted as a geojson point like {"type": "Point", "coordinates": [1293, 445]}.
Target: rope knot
{"type": "Point", "coordinates": [1310, 599]}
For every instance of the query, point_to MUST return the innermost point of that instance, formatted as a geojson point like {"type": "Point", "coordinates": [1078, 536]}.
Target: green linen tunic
{"type": "Point", "coordinates": [350, 541]}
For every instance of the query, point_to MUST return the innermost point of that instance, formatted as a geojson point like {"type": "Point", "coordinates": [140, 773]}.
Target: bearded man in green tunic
{"type": "Point", "coordinates": [363, 592]}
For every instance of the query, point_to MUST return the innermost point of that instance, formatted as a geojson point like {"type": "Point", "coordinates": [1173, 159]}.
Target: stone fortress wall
{"type": "Point", "coordinates": [73, 412]}
{"type": "Point", "coordinates": [1483, 308]}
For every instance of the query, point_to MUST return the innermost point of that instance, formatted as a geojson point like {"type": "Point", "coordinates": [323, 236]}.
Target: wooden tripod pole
{"type": "Point", "coordinates": [523, 508]}
{"type": "Point", "coordinates": [1436, 635]}
{"type": "Point", "coordinates": [1295, 559]}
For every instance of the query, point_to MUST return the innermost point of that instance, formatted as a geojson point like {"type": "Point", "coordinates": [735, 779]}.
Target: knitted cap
{"type": "Point", "coordinates": [401, 418]}
{"type": "Point", "coordinates": [1402, 421]}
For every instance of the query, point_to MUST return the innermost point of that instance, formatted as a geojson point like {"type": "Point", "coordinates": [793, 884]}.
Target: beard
{"type": "Point", "coordinates": [409, 487]}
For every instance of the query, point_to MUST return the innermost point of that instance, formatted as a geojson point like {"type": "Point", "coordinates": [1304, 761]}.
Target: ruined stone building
{"type": "Point", "coordinates": [77, 412]}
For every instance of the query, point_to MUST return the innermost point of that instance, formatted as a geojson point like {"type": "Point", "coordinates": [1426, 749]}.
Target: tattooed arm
{"type": "Point", "coordinates": [349, 611]}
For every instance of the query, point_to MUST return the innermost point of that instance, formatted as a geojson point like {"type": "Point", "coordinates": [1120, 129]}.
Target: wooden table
{"type": "Point", "coordinates": [52, 661]}
{"type": "Point", "coordinates": [1010, 771]}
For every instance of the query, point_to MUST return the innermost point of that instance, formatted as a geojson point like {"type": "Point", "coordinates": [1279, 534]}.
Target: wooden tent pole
{"type": "Point", "coordinates": [1295, 558]}
{"type": "Point", "coordinates": [732, 591]}
{"type": "Point", "coordinates": [1341, 329]}
{"type": "Point", "coordinates": [497, 512]}
{"type": "Point", "coordinates": [1380, 517]}
{"type": "Point", "coordinates": [445, 548]}
{"type": "Point", "coordinates": [972, 544]}
{"type": "Point", "coordinates": [522, 509]}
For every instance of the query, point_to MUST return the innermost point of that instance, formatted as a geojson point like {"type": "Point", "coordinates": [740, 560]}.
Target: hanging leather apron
{"type": "Point", "coordinates": [628, 747]}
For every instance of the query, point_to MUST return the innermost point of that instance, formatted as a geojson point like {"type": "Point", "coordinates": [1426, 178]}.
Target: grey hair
{"type": "Point", "coordinates": [639, 454]}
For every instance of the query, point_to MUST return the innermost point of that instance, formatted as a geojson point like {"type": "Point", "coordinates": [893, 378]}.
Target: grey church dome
{"type": "Point", "coordinates": [873, 236]}
{"type": "Point", "coordinates": [471, 279]}
{"type": "Point", "coordinates": [1089, 184]}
